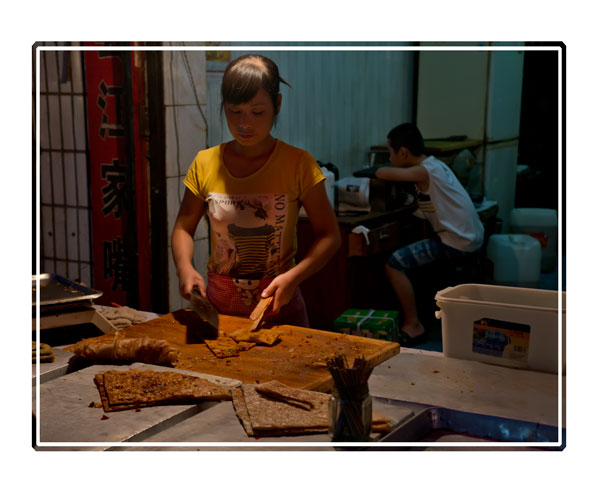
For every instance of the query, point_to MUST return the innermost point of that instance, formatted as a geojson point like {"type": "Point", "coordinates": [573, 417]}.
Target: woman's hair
{"type": "Point", "coordinates": [246, 75]}
{"type": "Point", "coordinates": [407, 135]}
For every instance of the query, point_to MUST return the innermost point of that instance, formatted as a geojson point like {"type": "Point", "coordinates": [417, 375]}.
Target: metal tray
{"type": "Point", "coordinates": [65, 414]}
{"type": "Point", "coordinates": [55, 289]}
{"type": "Point", "coordinates": [438, 424]}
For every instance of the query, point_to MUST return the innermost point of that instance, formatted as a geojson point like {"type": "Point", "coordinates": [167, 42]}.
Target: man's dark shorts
{"type": "Point", "coordinates": [421, 253]}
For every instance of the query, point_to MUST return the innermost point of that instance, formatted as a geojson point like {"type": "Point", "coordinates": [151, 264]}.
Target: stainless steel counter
{"type": "Point", "coordinates": [411, 380]}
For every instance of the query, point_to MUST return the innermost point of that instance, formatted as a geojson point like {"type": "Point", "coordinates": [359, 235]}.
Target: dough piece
{"type": "Point", "coordinates": [146, 350]}
{"type": "Point", "coordinates": [123, 316]}
{"type": "Point", "coordinates": [46, 353]}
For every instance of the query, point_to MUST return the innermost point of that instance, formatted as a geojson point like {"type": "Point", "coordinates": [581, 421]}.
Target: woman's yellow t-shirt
{"type": "Point", "coordinates": [253, 219]}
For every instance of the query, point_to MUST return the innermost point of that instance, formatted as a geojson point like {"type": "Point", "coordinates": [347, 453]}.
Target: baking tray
{"type": "Point", "coordinates": [201, 428]}
{"type": "Point", "coordinates": [65, 415]}
{"type": "Point", "coordinates": [52, 370]}
{"type": "Point", "coordinates": [438, 424]}
{"type": "Point", "coordinates": [55, 289]}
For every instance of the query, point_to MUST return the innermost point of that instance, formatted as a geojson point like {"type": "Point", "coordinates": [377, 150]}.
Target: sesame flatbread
{"type": "Point", "coordinates": [223, 347]}
{"type": "Point", "coordinates": [243, 346]}
{"type": "Point", "coordinates": [265, 337]}
{"type": "Point", "coordinates": [129, 389]}
{"type": "Point", "coordinates": [261, 337]}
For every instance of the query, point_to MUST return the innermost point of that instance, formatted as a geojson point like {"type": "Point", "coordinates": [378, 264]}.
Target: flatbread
{"type": "Point", "coordinates": [261, 307]}
{"type": "Point", "coordinates": [135, 388]}
{"type": "Point", "coordinates": [116, 349]}
{"type": "Point", "coordinates": [265, 337]}
{"type": "Point", "coordinates": [296, 397]}
{"type": "Point", "coordinates": [261, 337]}
{"type": "Point", "coordinates": [239, 405]}
{"type": "Point", "coordinates": [223, 347]}
{"type": "Point", "coordinates": [264, 416]}
{"type": "Point", "coordinates": [244, 346]}
{"type": "Point", "coordinates": [272, 415]}
{"type": "Point", "coordinates": [240, 335]}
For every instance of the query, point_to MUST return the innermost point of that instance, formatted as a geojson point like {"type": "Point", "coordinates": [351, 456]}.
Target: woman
{"type": "Point", "coordinates": [252, 188]}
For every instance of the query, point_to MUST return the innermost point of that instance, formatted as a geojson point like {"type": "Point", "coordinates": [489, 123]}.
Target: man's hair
{"type": "Point", "coordinates": [407, 135]}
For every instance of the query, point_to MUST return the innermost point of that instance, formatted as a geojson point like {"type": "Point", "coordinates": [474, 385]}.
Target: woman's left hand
{"type": "Point", "coordinates": [283, 288]}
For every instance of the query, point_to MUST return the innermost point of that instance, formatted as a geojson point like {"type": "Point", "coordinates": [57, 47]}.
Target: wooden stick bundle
{"type": "Point", "coordinates": [352, 422]}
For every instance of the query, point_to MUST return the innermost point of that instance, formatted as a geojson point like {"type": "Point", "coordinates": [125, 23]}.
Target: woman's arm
{"type": "Point", "coordinates": [182, 244]}
{"type": "Point", "coordinates": [327, 242]}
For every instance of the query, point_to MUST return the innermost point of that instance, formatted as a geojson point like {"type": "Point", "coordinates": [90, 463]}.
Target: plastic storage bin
{"type": "Point", "coordinates": [516, 260]}
{"type": "Point", "coordinates": [502, 325]}
{"type": "Point", "coordinates": [542, 224]}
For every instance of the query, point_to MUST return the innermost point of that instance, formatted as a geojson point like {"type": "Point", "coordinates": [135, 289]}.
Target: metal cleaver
{"type": "Point", "coordinates": [209, 328]}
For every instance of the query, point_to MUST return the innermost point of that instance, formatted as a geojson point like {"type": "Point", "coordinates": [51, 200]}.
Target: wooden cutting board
{"type": "Point", "coordinates": [290, 361]}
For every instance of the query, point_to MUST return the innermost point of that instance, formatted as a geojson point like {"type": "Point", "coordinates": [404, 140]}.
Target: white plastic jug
{"type": "Point", "coordinates": [542, 224]}
{"type": "Point", "coordinates": [517, 259]}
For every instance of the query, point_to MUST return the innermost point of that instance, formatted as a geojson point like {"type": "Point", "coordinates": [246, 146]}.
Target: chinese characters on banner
{"type": "Point", "coordinates": [117, 178]}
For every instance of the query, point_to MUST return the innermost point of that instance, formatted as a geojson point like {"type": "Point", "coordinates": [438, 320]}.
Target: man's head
{"type": "Point", "coordinates": [405, 142]}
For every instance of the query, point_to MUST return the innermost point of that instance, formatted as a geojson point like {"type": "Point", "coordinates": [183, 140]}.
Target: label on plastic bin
{"type": "Point", "coordinates": [502, 339]}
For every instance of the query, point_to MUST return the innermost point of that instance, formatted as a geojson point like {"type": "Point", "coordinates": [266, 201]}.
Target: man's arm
{"type": "Point", "coordinates": [414, 174]}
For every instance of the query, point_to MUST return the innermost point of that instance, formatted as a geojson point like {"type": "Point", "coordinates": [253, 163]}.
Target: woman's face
{"type": "Point", "coordinates": [250, 123]}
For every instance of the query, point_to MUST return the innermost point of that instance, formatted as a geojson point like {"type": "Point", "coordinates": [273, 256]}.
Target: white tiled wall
{"type": "Point", "coordinates": [64, 207]}
{"type": "Point", "coordinates": [184, 75]}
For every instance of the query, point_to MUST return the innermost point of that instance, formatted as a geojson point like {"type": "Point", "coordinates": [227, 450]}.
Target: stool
{"type": "Point", "coordinates": [515, 260]}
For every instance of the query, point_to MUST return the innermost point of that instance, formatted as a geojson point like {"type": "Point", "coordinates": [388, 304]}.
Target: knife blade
{"type": "Point", "coordinates": [207, 312]}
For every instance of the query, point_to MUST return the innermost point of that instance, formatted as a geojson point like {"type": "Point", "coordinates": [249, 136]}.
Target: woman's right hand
{"type": "Point", "coordinates": [189, 279]}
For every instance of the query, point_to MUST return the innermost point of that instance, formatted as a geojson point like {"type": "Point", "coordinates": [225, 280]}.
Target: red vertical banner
{"type": "Point", "coordinates": [118, 180]}
{"type": "Point", "coordinates": [140, 140]}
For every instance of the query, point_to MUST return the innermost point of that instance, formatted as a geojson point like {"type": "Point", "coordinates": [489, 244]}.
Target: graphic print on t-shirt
{"type": "Point", "coordinates": [249, 233]}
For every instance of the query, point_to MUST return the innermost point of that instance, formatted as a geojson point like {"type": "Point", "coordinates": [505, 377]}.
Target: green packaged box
{"type": "Point", "coordinates": [379, 324]}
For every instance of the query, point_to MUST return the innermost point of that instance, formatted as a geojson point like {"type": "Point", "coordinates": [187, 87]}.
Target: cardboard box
{"type": "Point", "coordinates": [379, 324]}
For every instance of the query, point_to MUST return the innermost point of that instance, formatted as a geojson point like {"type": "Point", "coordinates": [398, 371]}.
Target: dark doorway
{"type": "Point", "coordinates": [537, 187]}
